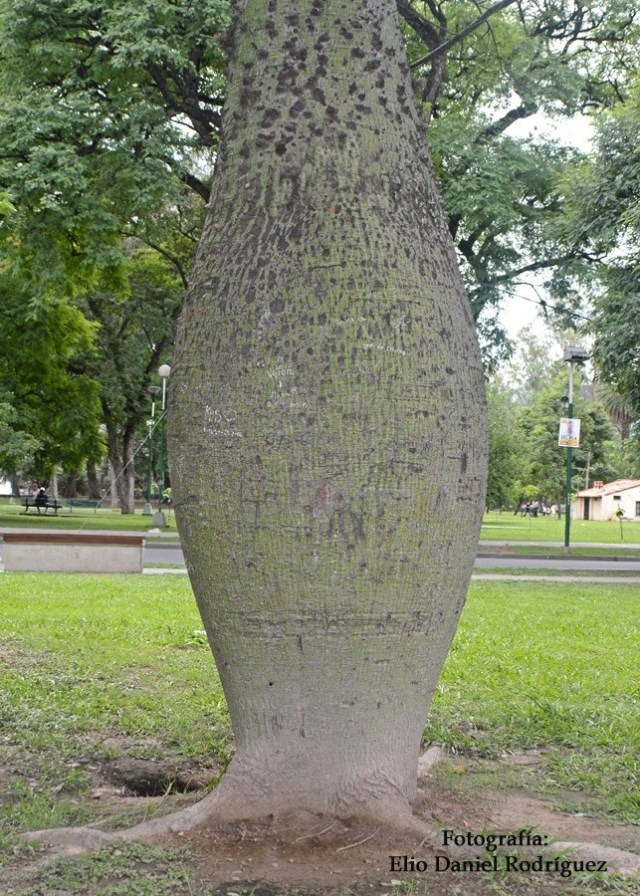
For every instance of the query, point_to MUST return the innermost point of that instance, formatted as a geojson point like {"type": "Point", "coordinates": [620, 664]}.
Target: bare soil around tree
{"type": "Point", "coordinates": [315, 856]}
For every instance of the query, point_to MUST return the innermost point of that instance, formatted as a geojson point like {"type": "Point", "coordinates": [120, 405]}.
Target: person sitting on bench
{"type": "Point", "coordinates": [41, 499]}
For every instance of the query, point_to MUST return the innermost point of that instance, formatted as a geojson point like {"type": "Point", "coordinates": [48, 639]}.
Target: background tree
{"type": "Point", "coordinates": [544, 460]}
{"type": "Point", "coordinates": [505, 194]}
{"type": "Point", "coordinates": [606, 209]}
{"type": "Point", "coordinates": [53, 402]}
{"type": "Point", "coordinates": [135, 335]}
{"type": "Point", "coordinates": [106, 114]}
{"type": "Point", "coordinates": [17, 447]}
{"type": "Point", "coordinates": [102, 133]}
{"type": "Point", "coordinates": [506, 451]}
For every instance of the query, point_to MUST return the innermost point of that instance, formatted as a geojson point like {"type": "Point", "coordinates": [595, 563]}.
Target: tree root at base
{"type": "Point", "coordinates": [223, 810]}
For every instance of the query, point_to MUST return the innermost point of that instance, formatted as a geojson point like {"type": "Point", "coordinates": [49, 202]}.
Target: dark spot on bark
{"type": "Point", "coordinates": [281, 148]}
{"type": "Point", "coordinates": [358, 53]}
{"type": "Point", "coordinates": [463, 462]}
{"type": "Point", "coordinates": [286, 79]}
{"type": "Point", "coordinates": [323, 502]}
{"type": "Point", "coordinates": [270, 684]}
{"type": "Point", "coordinates": [276, 306]}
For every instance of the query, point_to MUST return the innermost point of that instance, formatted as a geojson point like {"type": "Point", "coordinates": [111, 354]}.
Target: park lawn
{"type": "Point", "coordinates": [553, 666]}
{"type": "Point", "coordinates": [507, 526]}
{"type": "Point", "coordinates": [496, 526]}
{"type": "Point", "coordinates": [85, 658]}
{"type": "Point", "coordinates": [85, 518]}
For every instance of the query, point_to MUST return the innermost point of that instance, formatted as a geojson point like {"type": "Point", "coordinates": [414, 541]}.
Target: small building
{"type": "Point", "coordinates": [603, 501]}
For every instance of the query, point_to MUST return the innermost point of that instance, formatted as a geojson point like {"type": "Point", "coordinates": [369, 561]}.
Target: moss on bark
{"type": "Point", "coordinates": [327, 434]}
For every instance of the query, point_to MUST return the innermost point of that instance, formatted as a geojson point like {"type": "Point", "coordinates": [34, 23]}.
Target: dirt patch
{"type": "Point", "coordinates": [313, 855]}
{"type": "Point", "coordinates": [150, 777]}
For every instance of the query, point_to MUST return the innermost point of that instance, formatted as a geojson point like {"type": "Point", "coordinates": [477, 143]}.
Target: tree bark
{"type": "Point", "coordinates": [120, 452]}
{"type": "Point", "coordinates": [327, 423]}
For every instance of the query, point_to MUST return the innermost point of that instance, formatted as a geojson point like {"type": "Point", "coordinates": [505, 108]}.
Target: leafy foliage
{"type": "Point", "coordinates": [51, 411]}
{"type": "Point", "coordinates": [505, 192]}
{"type": "Point", "coordinates": [610, 213]}
{"type": "Point", "coordinates": [537, 427]}
{"type": "Point", "coordinates": [102, 127]}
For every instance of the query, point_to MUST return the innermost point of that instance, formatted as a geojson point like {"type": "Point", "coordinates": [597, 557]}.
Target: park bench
{"type": "Point", "coordinates": [49, 504]}
{"type": "Point", "coordinates": [83, 502]}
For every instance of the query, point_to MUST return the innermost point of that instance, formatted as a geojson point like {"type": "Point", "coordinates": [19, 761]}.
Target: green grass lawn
{"type": "Point", "coordinates": [85, 658]}
{"type": "Point", "coordinates": [540, 664]}
{"type": "Point", "coordinates": [508, 527]}
{"type": "Point", "coordinates": [106, 518]}
{"type": "Point", "coordinates": [496, 526]}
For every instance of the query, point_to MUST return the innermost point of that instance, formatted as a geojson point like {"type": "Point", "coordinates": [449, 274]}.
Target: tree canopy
{"type": "Point", "coordinates": [109, 124]}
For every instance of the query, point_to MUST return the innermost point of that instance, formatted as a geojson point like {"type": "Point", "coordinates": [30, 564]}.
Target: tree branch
{"type": "Point", "coordinates": [444, 47]}
{"type": "Point", "coordinates": [423, 28]}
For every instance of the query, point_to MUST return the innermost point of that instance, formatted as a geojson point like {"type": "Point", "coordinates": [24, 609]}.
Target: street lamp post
{"type": "Point", "coordinates": [164, 372]}
{"type": "Point", "coordinates": [571, 439]}
{"type": "Point", "coordinates": [147, 509]}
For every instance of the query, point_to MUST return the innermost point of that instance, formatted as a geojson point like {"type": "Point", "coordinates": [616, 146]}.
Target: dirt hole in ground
{"type": "Point", "coordinates": [149, 778]}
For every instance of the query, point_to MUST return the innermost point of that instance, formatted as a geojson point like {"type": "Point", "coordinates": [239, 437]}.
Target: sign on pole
{"type": "Point", "coordinates": [569, 435]}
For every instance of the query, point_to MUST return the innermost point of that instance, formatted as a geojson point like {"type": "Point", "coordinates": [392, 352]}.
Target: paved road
{"type": "Point", "coordinates": [165, 553]}
{"type": "Point", "coordinates": [172, 553]}
{"type": "Point", "coordinates": [568, 564]}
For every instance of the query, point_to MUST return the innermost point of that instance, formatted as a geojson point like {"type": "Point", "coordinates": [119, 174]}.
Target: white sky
{"type": "Point", "coordinates": [520, 313]}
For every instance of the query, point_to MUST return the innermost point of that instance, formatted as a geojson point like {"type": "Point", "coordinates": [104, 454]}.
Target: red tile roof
{"type": "Point", "coordinates": [610, 488]}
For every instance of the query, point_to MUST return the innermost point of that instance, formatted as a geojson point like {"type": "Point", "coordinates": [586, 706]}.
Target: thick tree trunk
{"type": "Point", "coordinates": [120, 452]}
{"type": "Point", "coordinates": [93, 483]}
{"type": "Point", "coordinates": [327, 420]}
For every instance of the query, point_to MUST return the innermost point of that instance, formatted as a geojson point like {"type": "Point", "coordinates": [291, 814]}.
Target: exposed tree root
{"type": "Point", "coordinates": [223, 809]}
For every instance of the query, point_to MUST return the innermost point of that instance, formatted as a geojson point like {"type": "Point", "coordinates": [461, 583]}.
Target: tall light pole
{"type": "Point", "coordinates": [570, 434]}
{"type": "Point", "coordinates": [164, 371]}
{"type": "Point", "coordinates": [155, 391]}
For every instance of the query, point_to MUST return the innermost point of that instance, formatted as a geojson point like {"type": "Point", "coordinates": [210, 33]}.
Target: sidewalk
{"type": "Point", "coordinates": [559, 545]}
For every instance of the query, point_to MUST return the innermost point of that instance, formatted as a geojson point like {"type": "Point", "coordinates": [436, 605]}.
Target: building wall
{"type": "Point", "coordinates": [605, 508]}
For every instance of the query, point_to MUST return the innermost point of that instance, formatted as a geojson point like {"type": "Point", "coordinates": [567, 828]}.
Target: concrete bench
{"type": "Point", "coordinates": [72, 552]}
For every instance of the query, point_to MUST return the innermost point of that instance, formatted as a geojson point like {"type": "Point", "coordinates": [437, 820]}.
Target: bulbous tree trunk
{"type": "Point", "coordinates": [327, 422]}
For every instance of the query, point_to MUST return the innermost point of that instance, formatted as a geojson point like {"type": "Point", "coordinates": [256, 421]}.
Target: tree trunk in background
{"type": "Point", "coordinates": [120, 451]}
{"type": "Point", "coordinates": [93, 483]}
{"type": "Point", "coordinates": [71, 488]}
{"type": "Point", "coordinates": [327, 418]}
